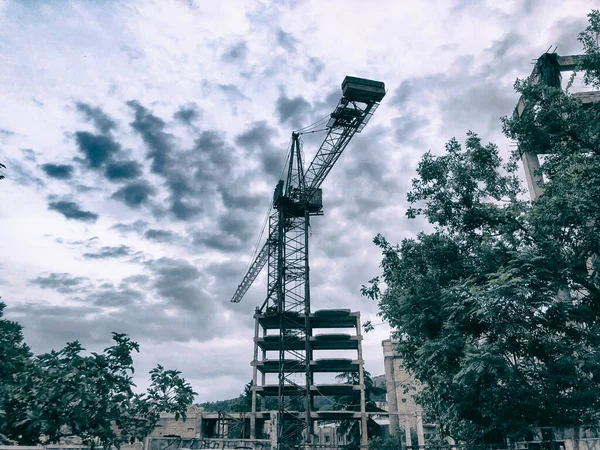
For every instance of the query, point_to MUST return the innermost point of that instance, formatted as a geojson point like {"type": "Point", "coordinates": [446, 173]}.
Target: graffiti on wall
{"type": "Point", "coordinates": [201, 444]}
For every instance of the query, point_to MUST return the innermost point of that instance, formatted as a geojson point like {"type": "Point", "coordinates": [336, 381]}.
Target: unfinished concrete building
{"type": "Point", "coordinates": [267, 342]}
{"type": "Point", "coordinates": [547, 70]}
{"type": "Point", "coordinates": [405, 414]}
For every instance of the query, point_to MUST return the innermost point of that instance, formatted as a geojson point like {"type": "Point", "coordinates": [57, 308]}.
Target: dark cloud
{"type": "Point", "coordinates": [507, 53]}
{"type": "Point", "coordinates": [215, 240]}
{"type": "Point", "coordinates": [81, 188]}
{"type": "Point", "coordinates": [29, 154]}
{"type": "Point", "coordinates": [214, 157]}
{"type": "Point", "coordinates": [184, 210]}
{"type": "Point", "coordinates": [257, 139]}
{"type": "Point", "coordinates": [92, 324]}
{"type": "Point", "coordinates": [227, 273]}
{"type": "Point", "coordinates": [188, 113]}
{"type": "Point", "coordinates": [88, 243]}
{"type": "Point", "coordinates": [40, 322]}
{"type": "Point", "coordinates": [232, 232]}
{"type": "Point", "coordinates": [313, 68]}
{"type": "Point", "coordinates": [236, 53]}
{"type": "Point", "coordinates": [403, 92]}
{"type": "Point", "coordinates": [60, 282]}
{"type": "Point", "coordinates": [232, 92]}
{"type": "Point", "coordinates": [286, 40]}
{"type": "Point", "coordinates": [135, 194]}
{"type": "Point", "coordinates": [375, 180]}
{"type": "Point", "coordinates": [162, 236]}
{"type": "Point", "coordinates": [191, 176]}
{"type": "Point", "coordinates": [164, 163]}
{"type": "Point", "coordinates": [328, 104]}
{"type": "Point", "coordinates": [236, 225]}
{"type": "Point", "coordinates": [530, 5]}
{"type": "Point", "coordinates": [566, 37]}
{"type": "Point", "coordinates": [459, 5]}
{"type": "Point", "coordinates": [138, 227]}
{"type": "Point", "coordinates": [407, 128]}
{"type": "Point", "coordinates": [109, 252]}
{"type": "Point", "coordinates": [97, 149]}
{"type": "Point", "coordinates": [101, 121]}
{"type": "Point", "coordinates": [178, 281]}
{"type": "Point", "coordinates": [139, 279]}
{"type": "Point", "coordinates": [234, 198]}
{"type": "Point", "coordinates": [336, 245]}
{"type": "Point", "coordinates": [480, 105]}
{"type": "Point", "coordinates": [152, 131]}
{"type": "Point", "coordinates": [293, 110]}
{"type": "Point", "coordinates": [123, 170]}
{"type": "Point", "coordinates": [108, 296]}
{"type": "Point", "coordinates": [72, 210]}
{"type": "Point", "coordinates": [59, 171]}
{"type": "Point", "coordinates": [466, 93]}
{"type": "Point", "coordinates": [20, 174]}
{"type": "Point", "coordinates": [503, 47]}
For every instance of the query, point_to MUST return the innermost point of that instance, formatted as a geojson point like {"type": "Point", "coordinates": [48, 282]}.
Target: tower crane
{"type": "Point", "coordinates": [297, 197]}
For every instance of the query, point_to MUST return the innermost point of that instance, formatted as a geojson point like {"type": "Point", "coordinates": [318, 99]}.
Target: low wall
{"type": "Point", "coordinates": [138, 446]}
{"type": "Point", "coordinates": [163, 443]}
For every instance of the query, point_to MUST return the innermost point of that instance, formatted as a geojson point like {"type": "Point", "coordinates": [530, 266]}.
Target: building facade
{"type": "Point", "coordinates": [405, 414]}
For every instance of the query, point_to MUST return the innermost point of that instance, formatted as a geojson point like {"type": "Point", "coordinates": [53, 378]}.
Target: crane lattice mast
{"type": "Point", "coordinates": [285, 252]}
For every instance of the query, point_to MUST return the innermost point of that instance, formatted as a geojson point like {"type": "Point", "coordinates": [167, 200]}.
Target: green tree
{"type": "Point", "coordinates": [497, 311]}
{"type": "Point", "coordinates": [351, 402]}
{"type": "Point", "coordinates": [386, 443]}
{"type": "Point", "coordinates": [66, 393]}
{"type": "Point", "coordinates": [15, 390]}
{"type": "Point", "coordinates": [244, 402]}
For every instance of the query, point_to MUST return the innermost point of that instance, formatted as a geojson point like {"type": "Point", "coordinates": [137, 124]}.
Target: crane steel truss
{"type": "Point", "coordinates": [285, 252]}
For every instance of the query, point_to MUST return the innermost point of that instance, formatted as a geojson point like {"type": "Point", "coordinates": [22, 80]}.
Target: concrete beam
{"type": "Point", "coordinates": [319, 366]}
{"type": "Point", "coordinates": [569, 63]}
{"type": "Point", "coordinates": [587, 97]}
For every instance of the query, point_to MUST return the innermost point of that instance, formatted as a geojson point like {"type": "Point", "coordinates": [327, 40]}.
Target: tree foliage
{"type": "Point", "coordinates": [497, 311]}
{"type": "Point", "coordinates": [351, 402]}
{"type": "Point", "coordinates": [66, 393]}
{"type": "Point", "coordinates": [15, 361]}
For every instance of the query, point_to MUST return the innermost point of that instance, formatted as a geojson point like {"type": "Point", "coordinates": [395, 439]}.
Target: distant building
{"type": "Point", "coordinates": [168, 426]}
{"type": "Point", "coordinates": [406, 415]}
{"type": "Point", "coordinates": [327, 436]}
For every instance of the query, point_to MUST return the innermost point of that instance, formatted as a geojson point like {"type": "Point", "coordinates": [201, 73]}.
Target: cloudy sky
{"type": "Point", "coordinates": [143, 140]}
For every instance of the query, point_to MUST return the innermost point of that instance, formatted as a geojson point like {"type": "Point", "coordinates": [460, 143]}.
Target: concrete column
{"type": "Point", "coordinates": [531, 165]}
{"type": "Point", "coordinates": [364, 436]}
{"type": "Point", "coordinates": [274, 427]}
{"type": "Point", "coordinates": [390, 384]}
{"type": "Point", "coordinates": [254, 379]}
{"type": "Point", "coordinates": [407, 434]}
{"type": "Point", "coordinates": [420, 433]}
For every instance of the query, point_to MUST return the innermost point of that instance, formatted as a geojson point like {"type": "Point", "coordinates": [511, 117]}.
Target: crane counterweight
{"type": "Point", "coordinates": [363, 90]}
